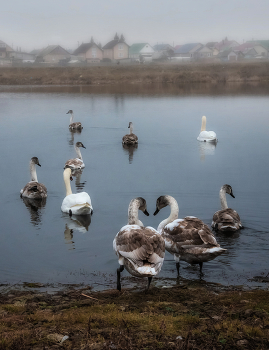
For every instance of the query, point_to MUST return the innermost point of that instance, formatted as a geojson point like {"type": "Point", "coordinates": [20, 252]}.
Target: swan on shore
{"type": "Point", "coordinates": [139, 249]}
{"type": "Point", "coordinates": [188, 239]}
{"type": "Point", "coordinates": [226, 219]}
{"type": "Point", "coordinates": [206, 136]}
{"type": "Point", "coordinates": [34, 189]}
{"type": "Point", "coordinates": [76, 163]}
{"type": "Point", "coordinates": [74, 125]}
{"type": "Point", "coordinates": [75, 203]}
{"type": "Point", "coordinates": [130, 139]}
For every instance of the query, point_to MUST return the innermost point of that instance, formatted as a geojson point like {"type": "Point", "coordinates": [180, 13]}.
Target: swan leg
{"type": "Point", "coordinates": [119, 270]}
{"type": "Point", "coordinates": [201, 266]}
{"type": "Point", "coordinates": [149, 281]}
{"type": "Point", "coordinates": [70, 213]}
{"type": "Point", "coordinates": [177, 266]}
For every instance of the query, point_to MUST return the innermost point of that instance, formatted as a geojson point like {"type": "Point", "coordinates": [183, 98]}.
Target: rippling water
{"type": "Point", "coordinates": [39, 243]}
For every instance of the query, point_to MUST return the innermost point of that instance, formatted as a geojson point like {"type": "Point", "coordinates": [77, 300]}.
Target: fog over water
{"type": "Point", "coordinates": [30, 24]}
{"type": "Point", "coordinates": [39, 243]}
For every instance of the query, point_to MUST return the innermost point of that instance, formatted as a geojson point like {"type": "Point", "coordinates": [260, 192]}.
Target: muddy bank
{"type": "Point", "coordinates": [190, 315]}
{"type": "Point", "coordinates": [136, 74]}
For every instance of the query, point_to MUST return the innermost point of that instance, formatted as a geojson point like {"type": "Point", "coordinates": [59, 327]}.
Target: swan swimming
{"type": "Point", "coordinates": [226, 219]}
{"type": "Point", "coordinates": [74, 125]}
{"type": "Point", "coordinates": [76, 163]}
{"type": "Point", "coordinates": [130, 139]}
{"type": "Point", "coordinates": [188, 239]}
{"type": "Point", "coordinates": [206, 136]}
{"type": "Point", "coordinates": [139, 249]}
{"type": "Point", "coordinates": [75, 203]}
{"type": "Point", "coordinates": [34, 189]}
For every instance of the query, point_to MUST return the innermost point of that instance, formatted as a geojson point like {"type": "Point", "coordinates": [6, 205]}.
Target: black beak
{"type": "Point", "coordinates": [83, 146]}
{"type": "Point", "coordinates": [146, 212]}
{"type": "Point", "coordinates": [232, 194]}
{"type": "Point", "coordinates": [71, 178]}
{"type": "Point", "coordinates": [156, 211]}
{"type": "Point", "coordinates": [67, 113]}
{"type": "Point", "coordinates": [129, 127]}
{"type": "Point", "coordinates": [38, 164]}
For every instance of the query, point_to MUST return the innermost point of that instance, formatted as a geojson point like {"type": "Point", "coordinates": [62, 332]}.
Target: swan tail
{"type": "Point", "coordinates": [81, 209]}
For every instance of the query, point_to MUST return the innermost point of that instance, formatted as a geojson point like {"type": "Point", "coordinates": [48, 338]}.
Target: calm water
{"type": "Point", "coordinates": [44, 245]}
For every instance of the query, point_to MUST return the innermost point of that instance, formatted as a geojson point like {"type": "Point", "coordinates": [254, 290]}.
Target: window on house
{"type": "Point", "coordinates": [120, 54]}
{"type": "Point", "coordinates": [120, 47]}
{"type": "Point", "coordinates": [94, 53]}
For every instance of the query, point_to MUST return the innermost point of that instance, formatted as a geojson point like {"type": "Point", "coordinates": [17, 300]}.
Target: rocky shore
{"type": "Point", "coordinates": [136, 74]}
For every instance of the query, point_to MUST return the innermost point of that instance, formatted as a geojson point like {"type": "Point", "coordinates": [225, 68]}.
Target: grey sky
{"type": "Point", "coordinates": [35, 24]}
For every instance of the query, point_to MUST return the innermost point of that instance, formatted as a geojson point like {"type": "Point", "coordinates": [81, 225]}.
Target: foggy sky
{"type": "Point", "coordinates": [35, 24]}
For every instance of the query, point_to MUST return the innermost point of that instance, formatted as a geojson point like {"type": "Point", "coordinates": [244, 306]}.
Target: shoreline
{"type": "Point", "coordinates": [148, 74]}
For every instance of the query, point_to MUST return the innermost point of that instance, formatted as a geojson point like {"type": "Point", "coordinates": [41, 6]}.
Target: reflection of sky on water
{"type": "Point", "coordinates": [167, 161]}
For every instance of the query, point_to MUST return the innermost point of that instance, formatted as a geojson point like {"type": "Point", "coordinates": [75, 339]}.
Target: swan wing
{"type": "Point", "coordinates": [130, 139]}
{"type": "Point", "coordinates": [34, 189]}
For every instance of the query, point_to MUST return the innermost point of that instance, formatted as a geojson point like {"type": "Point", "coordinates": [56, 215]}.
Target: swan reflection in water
{"type": "Point", "coordinates": [71, 141]}
{"type": "Point", "coordinates": [207, 149]}
{"type": "Point", "coordinates": [35, 209]}
{"type": "Point", "coordinates": [77, 174]}
{"type": "Point", "coordinates": [130, 149]}
{"type": "Point", "coordinates": [78, 223]}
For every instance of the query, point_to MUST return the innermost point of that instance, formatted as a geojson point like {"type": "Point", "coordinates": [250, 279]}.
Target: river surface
{"type": "Point", "coordinates": [41, 244]}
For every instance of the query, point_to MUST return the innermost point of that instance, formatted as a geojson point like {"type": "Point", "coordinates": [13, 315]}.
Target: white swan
{"type": "Point", "coordinates": [130, 139]}
{"type": "Point", "coordinates": [226, 219]}
{"type": "Point", "coordinates": [34, 189]}
{"type": "Point", "coordinates": [139, 249]}
{"type": "Point", "coordinates": [206, 136]}
{"type": "Point", "coordinates": [76, 163]}
{"type": "Point", "coordinates": [72, 125]}
{"type": "Point", "coordinates": [188, 239]}
{"type": "Point", "coordinates": [75, 203]}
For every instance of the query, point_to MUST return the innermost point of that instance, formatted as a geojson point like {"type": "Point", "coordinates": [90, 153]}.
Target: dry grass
{"type": "Point", "coordinates": [136, 74]}
{"type": "Point", "coordinates": [137, 320]}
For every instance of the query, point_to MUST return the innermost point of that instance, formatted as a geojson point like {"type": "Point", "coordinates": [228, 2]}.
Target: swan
{"type": "Point", "coordinates": [75, 203]}
{"type": "Point", "coordinates": [130, 139]}
{"type": "Point", "coordinates": [206, 136]}
{"type": "Point", "coordinates": [76, 163]}
{"type": "Point", "coordinates": [226, 219]}
{"type": "Point", "coordinates": [72, 125]}
{"type": "Point", "coordinates": [34, 189]}
{"type": "Point", "coordinates": [188, 239]}
{"type": "Point", "coordinates": [139, 249]}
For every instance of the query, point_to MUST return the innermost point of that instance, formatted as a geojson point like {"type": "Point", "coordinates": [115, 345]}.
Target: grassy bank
{"type": "Point", "coordinates": [188, 316]}
{"type": "Point", "coordinates": [136, 74]}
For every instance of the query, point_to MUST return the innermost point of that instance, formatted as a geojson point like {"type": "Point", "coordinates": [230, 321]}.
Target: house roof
{"type": "Point", "coordinates": [264, 43]}
{"type": "Point", "coordinates": [211, 44]}
{"type": "Point", "coordinates": [49, 49]}
{"type": "Point", "coordinates": [160, 47]}
{"type": "Point", "coordinates": [113, 43]}
{"type": "Point", "coordinates": [177, 47]}
{"type": "Point", "coordinates": [83, 48]}
{"type": "Point", "coordinates": [225, 44]}
{"type": "Point", "coordinates": [226, 53]}
{"type": "Point", "coordinates": [136, 48]}
{"type": "Point", "coordinates": [186, 48]}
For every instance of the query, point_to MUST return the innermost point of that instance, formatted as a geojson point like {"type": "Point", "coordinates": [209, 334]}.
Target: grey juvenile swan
{"type": "Point", "coordinates": [74, 125]}
{"type": "Point", "coordinates": [76, 163]}
{"type": "Point", "coordinates": [130, 139]}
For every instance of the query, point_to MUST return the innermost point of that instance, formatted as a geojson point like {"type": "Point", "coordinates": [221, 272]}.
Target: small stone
{"type": "Point", "coordinates": [216, 318]}
{"type": "Point", "coordinates": [242, 342]}
{"type": "Point", "coordinates": [244, 301]}
{"type": "Point", "coordinates": [56, 337]}
{"type": "Point", "coordinates": [179, 337]}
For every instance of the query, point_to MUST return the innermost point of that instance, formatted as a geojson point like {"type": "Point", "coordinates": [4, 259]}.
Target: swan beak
{"type": "Point", "coordinates": [129, 127]}
{"type": "Point", "coordinates": [146, 212]}
{"type": "Point", "coordinates": [156, 211]}
{"type": "Point", "coordinates": [67, 112]}
{"type": "Point", "coordinates": [83, 146]}
{"type": "Point", "coordinates": [38, 164]}
{"type": "Point", "coordinates": [232, 194]}
{"type": "Point", "coordinates": [71, 178]}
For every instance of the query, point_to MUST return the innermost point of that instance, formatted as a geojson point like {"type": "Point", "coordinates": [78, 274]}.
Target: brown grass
{"type": "Point", "coordinates": [136, 74]}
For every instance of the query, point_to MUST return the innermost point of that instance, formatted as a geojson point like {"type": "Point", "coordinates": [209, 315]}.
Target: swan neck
{"type": "Point", "coordinates": [131, 129]}
{"type": "Point", "coordinates": [78, 153]}
{"type": "Point", "coordinates": [223, 200]}
{"type": "Point", "coordinates": [173, 213]}
{"type": "Point", "coordinates": [133, 213]}
{"type": "Point", "coordinates": [71, 117]}
{"type": "Point", "coordinates": [67, 183]}
{"type": "Point", "coordinates": [33, 172]}
{"type": "Point", "coordinates": [203, 127]}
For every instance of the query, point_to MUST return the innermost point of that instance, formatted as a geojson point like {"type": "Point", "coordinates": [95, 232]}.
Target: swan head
{"type": "Point", "coordinates": [130, 125]}
{"type": "Point", "coordinates": [80, 144]}
{"type": "Point", "coordinates": [228, 189]}
{"type": "Point", "coordinates": [161, 202]}
{"type": "Point", "coordinates": [70, 111]}
{"type": "Point", "coordinates": [34, 160]}
{"type": "Point", "coordinates": [141, 203]}
{"type": "Point", "coordinates": [68, 173]}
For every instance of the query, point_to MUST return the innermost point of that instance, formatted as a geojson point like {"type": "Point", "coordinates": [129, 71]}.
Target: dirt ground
{"type": "Point", "coordinates": [136, 74]}
{"type": "Point", "coordinates": [189, 315]}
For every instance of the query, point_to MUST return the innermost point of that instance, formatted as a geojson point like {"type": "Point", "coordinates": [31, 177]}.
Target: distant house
{"type": "Point", "coordinates": [225, 45]}
{"type": "Point", "coordinates": [230, 56]}
{"type": "Point", "coordinates": [211, 45]}
{"type": "Point", "coordinates": [22, 57]}
{"type": "Point", "coordinates": [116, 49]}
{"type": "Point", "coordinates": [52, 54]}
{"type": "Point", "coordinates": [187, 50]}
{"type": "Point", "coordinates": [249, 45]}
{"type": "Point", "coordinates": [5, 51]}
{"type": "Point", "coordinates": [165, 48]}
{"type": "Point", "coordinates": [140, 50]}
{"type": "Point", "coordinates": [89, 52]}
{"type": "Point", "coordinates": [203, 53]}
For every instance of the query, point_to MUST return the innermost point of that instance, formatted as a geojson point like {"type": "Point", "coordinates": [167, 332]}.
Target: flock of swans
{"type": "Point", "coordinates": [141, 250]}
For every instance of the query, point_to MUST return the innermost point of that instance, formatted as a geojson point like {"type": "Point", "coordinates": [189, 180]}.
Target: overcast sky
{"type": "Point", "coordinates": [35, 24]}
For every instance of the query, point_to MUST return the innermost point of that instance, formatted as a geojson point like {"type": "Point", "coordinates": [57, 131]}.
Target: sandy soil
{"type": "Point", "coordinates": [136, 74]}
